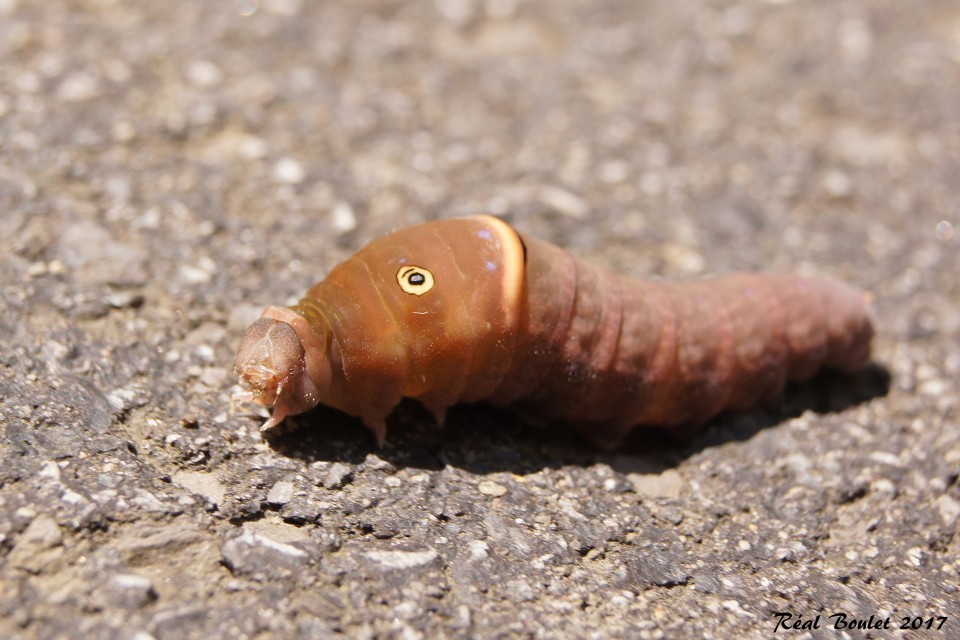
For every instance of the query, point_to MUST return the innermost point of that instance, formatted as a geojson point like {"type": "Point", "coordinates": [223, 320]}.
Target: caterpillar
{"type": "Point", "coordinates": [469, 309]}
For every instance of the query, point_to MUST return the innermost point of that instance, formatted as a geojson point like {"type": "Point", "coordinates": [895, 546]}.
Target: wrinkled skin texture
{"type": "Point", "coordinates": [469, 309]}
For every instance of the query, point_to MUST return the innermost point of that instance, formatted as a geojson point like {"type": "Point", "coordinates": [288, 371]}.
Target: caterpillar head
{"type": "Point", "coordinates": [273, 368]}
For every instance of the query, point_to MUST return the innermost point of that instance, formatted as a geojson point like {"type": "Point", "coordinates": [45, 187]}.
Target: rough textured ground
{"type": "Point", "coordinates": [168, 168]}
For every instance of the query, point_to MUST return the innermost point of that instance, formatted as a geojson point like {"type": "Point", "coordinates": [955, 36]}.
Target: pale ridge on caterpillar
{"type": "Point", "coordinates": [469, 309]}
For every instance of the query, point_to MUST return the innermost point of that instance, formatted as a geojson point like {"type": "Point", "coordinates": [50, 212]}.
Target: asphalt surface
{"type": "Point", "coordinates": [169, 168]}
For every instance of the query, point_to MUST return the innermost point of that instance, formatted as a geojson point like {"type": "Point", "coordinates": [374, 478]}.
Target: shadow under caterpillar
{"type": "Point", "coordinates": [469, 309]}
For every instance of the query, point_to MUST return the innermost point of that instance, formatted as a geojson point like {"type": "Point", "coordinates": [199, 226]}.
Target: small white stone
{"type": "Point", "coordinates": [934, 387]}
{"type": "Point", "coordinates": [667, 484]}
{"type": "Point", "coordinates": [342, 218]}
{"type": "Point", "coordinates": [915, 556]}
{"type": "Point", "coordinates": [207, 485]}
{"type": "Point", "coordinates": [269, 543]}
{"type": "Point", "coordinates": [252, 147]}
{"type": "Point", "coordinates": [734, 607]}
{"type": "Point", "coordinates": [838, 184]}
{"type": "Point", "coordinates": [885, 457]}
{"type": "Point", "coordinates": [204, 74]}
{"type": "Point", "coordinates": [72, 497]}
{"type": "Point", "coordinates": [618, 601]}
{"type": "Point", "coordinates": [288, 171]}
{"type": "Point", "coordinates": [949, 509]}
{"type": "Point", "coordinates": [490, 488]}
{"type": "Point", "coordinates": [79, 87]}
{"type": "Point", "coordinates": [280, 493]}
{"type": "Point", "coordinates": [50, 470]}
{"type": "Point", "coordinates": [42, 531]}
{"type": "Point", "coordinates": [402, 559]}
{"type": "Point", "coordinates": [194, 275]}
{"type": "Point", "coordinates": [200, 273]}
{"type": "Point", "coordinates": [882, 485]}
{"type": "Point", "coordinates": [131, 581]}
{"type": "Point", "coordinates": [479, 549]}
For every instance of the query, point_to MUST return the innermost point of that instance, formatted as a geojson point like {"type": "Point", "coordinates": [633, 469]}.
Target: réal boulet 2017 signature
{"type": "Point", "coordinates": [841, 621]}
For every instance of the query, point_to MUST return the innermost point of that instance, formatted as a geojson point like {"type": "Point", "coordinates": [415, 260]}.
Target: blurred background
{"type": "Point", "coordinates": [167, 169]}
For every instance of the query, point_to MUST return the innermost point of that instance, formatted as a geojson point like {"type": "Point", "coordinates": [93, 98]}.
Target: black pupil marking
{"type": "Point", "coordinates": [416, 278]}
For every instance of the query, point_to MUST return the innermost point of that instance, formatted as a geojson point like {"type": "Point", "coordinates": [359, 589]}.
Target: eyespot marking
{"type": "Point", "coordinates": [415, 280]}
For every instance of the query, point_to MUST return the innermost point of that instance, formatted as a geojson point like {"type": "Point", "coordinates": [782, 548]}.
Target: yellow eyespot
{"type": "Point", "coordinates": [415, 280]}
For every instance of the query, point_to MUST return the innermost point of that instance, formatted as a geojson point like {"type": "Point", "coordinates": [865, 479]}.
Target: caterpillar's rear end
{"type": "Point", "coordinates": [740, 338]}
{"type": "Point", "coordinates": [462, 310]}
{"type": "Point", "coordinates": [628, 352]}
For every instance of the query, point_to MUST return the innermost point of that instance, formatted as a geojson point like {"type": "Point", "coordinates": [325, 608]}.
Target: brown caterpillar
{"type": "Point", "coordinates": [469, 309]}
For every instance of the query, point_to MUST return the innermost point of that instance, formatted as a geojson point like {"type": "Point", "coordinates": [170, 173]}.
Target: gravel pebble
{"type": "Point", "coordinates": [261, 557]}
{"type": "Point", "coordinates": [490, 488]}
{"type": "Point", "coordinates": [281, 493]}
{"type": "Point", "coordinates": [402, 559]}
